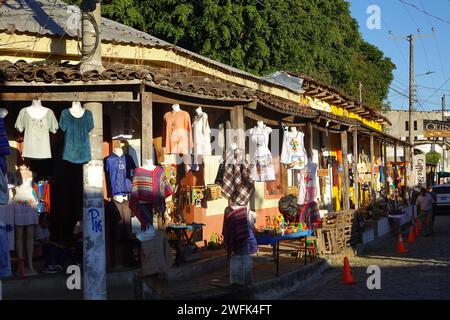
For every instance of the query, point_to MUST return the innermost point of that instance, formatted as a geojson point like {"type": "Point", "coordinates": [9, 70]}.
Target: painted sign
{"type": "Point", "coordinates": [434, 128]}
{"type": "Point", "coordinates": [420, 170]}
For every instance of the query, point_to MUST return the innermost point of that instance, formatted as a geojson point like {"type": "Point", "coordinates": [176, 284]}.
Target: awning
{"type": "Point", "coordinates": [444, 174]}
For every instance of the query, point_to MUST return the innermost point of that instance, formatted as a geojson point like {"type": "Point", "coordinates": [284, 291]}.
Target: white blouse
{"type": "Point", "coordinates": [202, 138]}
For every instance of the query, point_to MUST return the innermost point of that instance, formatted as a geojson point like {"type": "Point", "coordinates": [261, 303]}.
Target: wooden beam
{"type": "Point", "coordinates": [70, 84]}
{"type": "Point", "coordinates": [345, 175]}
{"type": "Point", "coordinates": [98, 96]}
{"type": "Point", "coordinates": [162, 99]}
{"type": "Point", "coordinates": [309, 140]}
{"type": "Point", "coordinates": [385, 168]}
{"type": "Point", "coordinates": [318, 95]}
{"type": "Point", "coordinates": [147, 125]}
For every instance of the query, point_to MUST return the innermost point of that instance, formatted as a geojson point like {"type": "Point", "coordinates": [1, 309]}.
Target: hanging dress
{"type": "Point", "coordinates": [293, 152]}
{"type": "Point", "coordinates": [261, 157]}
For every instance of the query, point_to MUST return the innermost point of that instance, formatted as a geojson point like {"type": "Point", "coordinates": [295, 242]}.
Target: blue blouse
{"type": "Point", "coordinates": [77, 148]}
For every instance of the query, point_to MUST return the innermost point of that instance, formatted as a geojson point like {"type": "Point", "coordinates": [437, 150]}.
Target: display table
{"type": "Point", "coordinates": [402, 219]}
{"type": "Point", "coordinates": [183, 240]}
{"type": "Point", "coordinates": [274, 241]}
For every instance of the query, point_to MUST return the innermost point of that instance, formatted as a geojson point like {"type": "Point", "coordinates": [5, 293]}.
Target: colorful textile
{"type": "Point", "coordinates": [311, 182]}
{"type": "Point", "coordinates": [293, 152]}
{"type": "Point", "coordinates": [4, 143]}
{"type": "Point", "coordinates": [309, 214]}
{"type": "Point", "coordinates": [42, 196]}
{"type": "Point", "coordinates": [235, 228]}
{"type": "Point", "coordinates": [177, 135]}
{"type": "Point", "coordinates": [77, 148]}
{"type": "Point", "coordinates": [36, 142]}
{"type": "Point", "coordinates": [119, 171]}
{"type": "Point", "coordinates": [5, 265]}
{"type": "Point", "coordinates": [237, 184]}
{"type": "Point", "coordinates": [149, 187]}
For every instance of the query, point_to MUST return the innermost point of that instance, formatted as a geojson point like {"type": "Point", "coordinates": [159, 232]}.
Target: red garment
{"type": "Point", "coordinates": [45, 199]}
{"type": "Point", "coordinates": [235, 228]}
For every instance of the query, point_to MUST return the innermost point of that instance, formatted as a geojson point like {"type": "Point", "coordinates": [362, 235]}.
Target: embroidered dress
{"type": "Point", "coordinates": [311, 182]}
{"type": "Point", "coordinates": [202, 138]}
{"type": "Point", "coordinates": [149, 188]}
{"type": "Point", "coordinates": [293, 152]}
{"type": "Point", "coordinates": [36, 143]}
{"type": "Point", "coordinates": [261, 159]}
{"type": "Point", "coordinates": [77, 148]}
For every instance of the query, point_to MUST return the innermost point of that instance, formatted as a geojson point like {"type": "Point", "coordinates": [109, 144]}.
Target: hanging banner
{"type": "Point", "coordinates": [435, 128]}
{"type": "Point", "coordinates": [420, 170]}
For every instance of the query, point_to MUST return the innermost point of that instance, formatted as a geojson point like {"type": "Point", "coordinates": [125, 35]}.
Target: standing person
{"type": "Point", "coordinates": [434, 196]}
{"type": "Point", "coordinates": [424, 205]}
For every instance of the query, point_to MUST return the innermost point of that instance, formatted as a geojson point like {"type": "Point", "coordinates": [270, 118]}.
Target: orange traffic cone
{"type": "Point", "coordinates": [411, 237]}
{"type": "Point", "coordinates": [417, 224]}
{"type": "Point", "coordinates": [347, 277]}
{"type": "Point", "coordinates": [400, 247]}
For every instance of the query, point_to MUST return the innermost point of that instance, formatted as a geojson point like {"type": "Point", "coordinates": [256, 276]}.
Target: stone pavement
{"type": "Point", "coordinates": [422, 273]}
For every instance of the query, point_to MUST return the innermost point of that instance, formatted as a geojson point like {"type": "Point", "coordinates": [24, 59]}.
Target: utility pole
{"type": "Point", "coordinates": [443, 139]}
{"type": "Point", "coordinates": [411, 88]}
{"type": "Point", "coordinates": [94, 255]}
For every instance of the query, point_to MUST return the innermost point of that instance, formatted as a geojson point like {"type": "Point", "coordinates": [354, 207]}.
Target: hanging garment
{"type": "Point", "coordinates": [24, 205]}
{"type": "Point", "coordinates": [202, 138]}
{"type": "Point", "coordinates": [4, 190]}
{"type": "Point", "coordinates": [119, 171]}
{"type": "Point", "coordinates": [235, 228]}
{"type": "Point", "coordinates": [237, 184]}
{"type": "Point", "coordinates": [36, 142]}
{"type": "Point", "coordinates": [177, 135]}
{"type": "Point", "coordinates": [261, 157]}
{"type": "Point", "coordinates": [293, 152]}
{"type": "Point", "coordinates": [4, 143]}
{"type": "Point", "coordinates": [5, 265]}
{"type": "Point", "coordinates": [77, 148]}
{"type": "Point", "coordinates": [311, 182]}
{"type": "Point", "coordinates": [309, 214]}
{"type": "Point", "coordinates": [301, 187]}
{"type": "Point", "coordinates": [41, 192]}
{"type": "Point", "coordinates": [7, 219]}
{"type": "Point", "coordinates": [151, 187]}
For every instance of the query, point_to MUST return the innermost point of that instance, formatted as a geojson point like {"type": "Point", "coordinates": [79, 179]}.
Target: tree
{"type": "Point", "coordinates": [316, 37]}
{"type": "Point", "coordinates": [433, 158]}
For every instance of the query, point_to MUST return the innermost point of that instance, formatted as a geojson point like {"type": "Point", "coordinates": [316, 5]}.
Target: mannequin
{"type": "Point", "coordinates": [26, 225]}
{"type": "Point", "coordinates": [76, 110]}
{"type": "Point", "coordinates": [3, 112]}
{"type": "Point", "coordinates": [36, 110]}
{"type": "Point", "coordinates": [149, 165]}
{"type": "Point", "coordinates": [202, 136]}
{"type": "Point", "coordinates": [176, 108]}
{"type": "Point", "coordinates": [118, 151]}
{"type": "Point", "coordinates": [294, 130]}
{"type": "Point", "coordinates": [260, 155]}
{"type": "Point", "coordinates": [199, 111]}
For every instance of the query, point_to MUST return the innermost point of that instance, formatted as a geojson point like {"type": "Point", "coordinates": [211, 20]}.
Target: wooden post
{"type": "Point", "coordinates": [237, 122]}
{"type": "Point", "coordinates": [309, 140]}
{"type": "Point", "coordinates": [345, 176]}
{"type": "Point", "coordinates": [355, 167]}
{"type": "Point", "coordinates": [395, 161]}
{"type": "Point", "coordinates": [372, 164]}
{"type": "Point", "coordinates": [147, 125]}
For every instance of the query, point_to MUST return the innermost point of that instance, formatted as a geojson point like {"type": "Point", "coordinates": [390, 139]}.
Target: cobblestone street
{"type": "Point", "coordinates": [422, 273]}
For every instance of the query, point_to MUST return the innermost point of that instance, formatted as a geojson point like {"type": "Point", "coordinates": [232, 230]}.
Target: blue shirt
{"type": "Point", "coordinates": [119, 171]}
{"type": "Point", "coordinates": [77, 148]}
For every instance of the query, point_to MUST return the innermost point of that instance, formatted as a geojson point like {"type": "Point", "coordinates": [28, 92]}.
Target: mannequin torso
{"type": "Point", "coordinates": [36, 110]}
{"type": "Point", "coordinates": [76, 110]}
{"type": "Point", "coordinates": [149, 165]}
{"type": "Point", "coordinates": [118, 152]}
{"type": "Point", "coordinates": [176, 108]}
{"type": "Point", "coordinates": [3, 112]}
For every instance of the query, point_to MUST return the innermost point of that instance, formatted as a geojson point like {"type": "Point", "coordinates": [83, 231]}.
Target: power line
{"type": "Point", "coordinates": [424, 11]}
{"type": "Point", "coordinates": [437, 90]}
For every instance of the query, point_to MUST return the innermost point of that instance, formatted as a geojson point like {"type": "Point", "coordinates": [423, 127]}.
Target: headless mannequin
{"type": "Point", "coordinates": [294, 130]}
{"type": "Point", "coordinates": [36, 110]}
{"type": "Point", "coordinates": [77, 110]}
{"type": "Point", "coordinates": [119, 152]}
{"type": "Point", "coordinates": [199, 111]}
{"type": "Point", "coordinates": [28, 230]}
{"type": "Point", "coordinates": [3, 113]}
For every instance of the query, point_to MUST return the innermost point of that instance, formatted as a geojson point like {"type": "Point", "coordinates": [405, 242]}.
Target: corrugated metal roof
{"type": "Point", "coordinates": [56, 18]}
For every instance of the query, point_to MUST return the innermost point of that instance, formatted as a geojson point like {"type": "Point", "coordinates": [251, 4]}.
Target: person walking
{"type": "Point", "coordinates": [424, 205]}
{"type": "Point", "coordinates": [434, 196]}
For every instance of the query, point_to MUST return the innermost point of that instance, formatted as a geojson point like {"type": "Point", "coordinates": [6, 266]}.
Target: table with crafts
{"type": "Point", "coordinates": [182, 239]}
{"type": "Point", "coordinates": [274, 241]}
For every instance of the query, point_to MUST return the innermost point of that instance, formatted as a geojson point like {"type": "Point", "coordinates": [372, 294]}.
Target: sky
{"type": "Point", "coordinates": [398, 19]}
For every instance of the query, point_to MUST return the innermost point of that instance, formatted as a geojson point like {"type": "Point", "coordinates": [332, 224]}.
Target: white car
{"type": "Point", "coordinates": [443, 197]}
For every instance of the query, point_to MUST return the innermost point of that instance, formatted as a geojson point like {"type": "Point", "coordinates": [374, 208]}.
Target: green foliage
{"type": "Point", "coordinates": [433, 158]}
{"type": "Point", "coordinates": [317, 37]}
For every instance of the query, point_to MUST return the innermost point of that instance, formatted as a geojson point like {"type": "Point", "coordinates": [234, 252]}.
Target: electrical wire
{"type": "Point", "coordinates": [424, 11]}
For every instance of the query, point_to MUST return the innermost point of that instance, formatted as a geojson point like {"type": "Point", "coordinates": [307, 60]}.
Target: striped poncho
{"type": "Point", "coordinates": [149, 187]}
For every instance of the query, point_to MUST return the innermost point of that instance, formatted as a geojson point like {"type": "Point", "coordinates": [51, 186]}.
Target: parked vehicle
{"type": "Point", "coordinates": [443, 198]}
